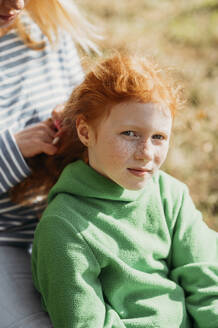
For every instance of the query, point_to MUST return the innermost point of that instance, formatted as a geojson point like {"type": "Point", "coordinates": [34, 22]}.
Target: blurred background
{"type": "Point", "coordinates": [183, 35]}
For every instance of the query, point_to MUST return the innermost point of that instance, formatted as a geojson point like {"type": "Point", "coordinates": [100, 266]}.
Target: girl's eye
{"type": "Point", "coordinates": [129, 133]}
{"type": "Point", "coordinates": [158, 136]}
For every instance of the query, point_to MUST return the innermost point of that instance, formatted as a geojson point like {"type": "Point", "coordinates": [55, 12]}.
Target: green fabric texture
{"type": "Point", "coordinates": [106, 257]}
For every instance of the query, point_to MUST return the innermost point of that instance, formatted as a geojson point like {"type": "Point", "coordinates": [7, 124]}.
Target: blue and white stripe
{"type": "Point", "coordinates": [32, 83]}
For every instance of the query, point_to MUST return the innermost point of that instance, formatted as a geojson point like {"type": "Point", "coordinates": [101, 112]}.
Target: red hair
{"type": "Point", "coordinates": [114, 80]}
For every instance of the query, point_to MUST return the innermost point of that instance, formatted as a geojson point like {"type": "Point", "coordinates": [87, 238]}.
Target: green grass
{"type": "Point", "coordinates": [197, 27]}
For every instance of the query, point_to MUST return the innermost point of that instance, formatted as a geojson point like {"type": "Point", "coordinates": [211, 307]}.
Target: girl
{"type": "Point", "coordinates": [121, 243]}
{"type": "Point", "coordinates": [39, 66]}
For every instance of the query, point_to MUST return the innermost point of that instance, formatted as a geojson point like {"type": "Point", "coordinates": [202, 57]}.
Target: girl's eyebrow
{"type": "Point", "coordinates": [130, 126]}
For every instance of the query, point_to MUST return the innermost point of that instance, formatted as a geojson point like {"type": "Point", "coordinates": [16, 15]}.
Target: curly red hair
{"type": "Point", "coordinates": [117, 79]}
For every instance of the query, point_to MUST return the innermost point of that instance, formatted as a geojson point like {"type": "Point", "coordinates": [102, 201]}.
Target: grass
{"type": "Point", "coordinates": [184, 35]}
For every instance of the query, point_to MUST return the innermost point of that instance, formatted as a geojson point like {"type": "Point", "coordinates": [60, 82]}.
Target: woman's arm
{"type": "Point", "coordinates": [37, 139]}
{"type": "Point", "coordinates": [15, 148]}
{"type": "Point", "coordinates": [195, 264]}
{"type": "Point", "coordinates": [66, 271]}
{"type": "Point", "coordinates": [13, 168]}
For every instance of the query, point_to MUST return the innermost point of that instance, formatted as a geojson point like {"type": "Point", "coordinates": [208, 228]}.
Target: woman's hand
{"type": "Point", "coordinates": [37, 139]}
{"type": "Point", "coordinates": [57, 121]}
{"type": "Point", "coordinates": [41, 137]}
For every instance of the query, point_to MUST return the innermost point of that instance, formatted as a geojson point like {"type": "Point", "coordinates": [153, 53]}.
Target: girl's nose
{"type": "Point", "coordinates": [16, 4]}
{"type": "Point", "coordinates": [144, 151]}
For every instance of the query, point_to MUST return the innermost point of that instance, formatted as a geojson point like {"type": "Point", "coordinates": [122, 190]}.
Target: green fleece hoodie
{"type": "Point", "coordinates": [104, 256]}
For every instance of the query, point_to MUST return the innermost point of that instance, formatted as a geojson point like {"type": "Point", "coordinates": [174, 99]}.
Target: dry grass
{"type": "Point", "coordinates": [184, 35]}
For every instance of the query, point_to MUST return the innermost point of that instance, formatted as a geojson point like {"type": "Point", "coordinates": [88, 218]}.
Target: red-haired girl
{"type": "Point", "coordinates": [121, 243]}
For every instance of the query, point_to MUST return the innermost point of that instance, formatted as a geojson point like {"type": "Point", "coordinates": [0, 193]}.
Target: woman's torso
{"type": "Point", "coordinates": [32, 83]}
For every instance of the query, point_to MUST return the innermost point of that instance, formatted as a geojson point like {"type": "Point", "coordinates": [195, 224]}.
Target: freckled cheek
{"type": "Point", "coordinates": [120, 151]}
{"type": "Point", "coordinates": [161, 155]}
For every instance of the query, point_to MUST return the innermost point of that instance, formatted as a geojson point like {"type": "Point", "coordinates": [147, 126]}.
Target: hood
{"type": "Point", "coordinates": [80, 179]}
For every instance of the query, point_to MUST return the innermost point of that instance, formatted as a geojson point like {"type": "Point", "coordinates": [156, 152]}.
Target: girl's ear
{"type": "Point", "coordinates": [84, 131]}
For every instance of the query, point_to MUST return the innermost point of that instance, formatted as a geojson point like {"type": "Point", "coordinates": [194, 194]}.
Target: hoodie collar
{"type": "Point", "coordinates": [80, 179]}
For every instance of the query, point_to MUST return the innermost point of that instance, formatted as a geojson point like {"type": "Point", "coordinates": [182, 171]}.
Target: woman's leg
{"type": "Point", "coordinates": [20, 305]}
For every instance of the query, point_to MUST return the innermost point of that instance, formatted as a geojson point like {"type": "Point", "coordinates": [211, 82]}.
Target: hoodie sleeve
{"type": "Point", "coordinates": [65, 272]}
{"type": "Point", "coordinates": [195, 264]}
{"type": "Point", "coordinates": [13, 168]}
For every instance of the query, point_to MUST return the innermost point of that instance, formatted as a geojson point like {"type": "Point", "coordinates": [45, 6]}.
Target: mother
{"type": "Point", "coordinates": [36, 74]}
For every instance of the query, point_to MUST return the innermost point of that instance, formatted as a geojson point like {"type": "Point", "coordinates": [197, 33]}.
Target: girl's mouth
{"type": "Point", "coordinates": [140, 172]}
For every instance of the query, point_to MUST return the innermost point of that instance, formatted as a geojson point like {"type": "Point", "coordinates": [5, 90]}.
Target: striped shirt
{"type": "Point", "coordinates": [32, 83]}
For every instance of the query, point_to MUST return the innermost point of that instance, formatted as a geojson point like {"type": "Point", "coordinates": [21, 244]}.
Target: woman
{"type": "Point", "coordinates": [39, 66]}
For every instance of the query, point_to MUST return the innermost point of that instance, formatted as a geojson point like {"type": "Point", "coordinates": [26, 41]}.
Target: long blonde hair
{"type": "Point", "coordinates": [51, 16]}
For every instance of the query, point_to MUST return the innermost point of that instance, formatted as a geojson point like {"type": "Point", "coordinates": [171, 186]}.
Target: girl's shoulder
{"type": "Point", "coordinates": [168, 183]}
{"type": "Point", "coordinates": [171, 190]}
{"type": "Point", "coordinates": [175, 198]}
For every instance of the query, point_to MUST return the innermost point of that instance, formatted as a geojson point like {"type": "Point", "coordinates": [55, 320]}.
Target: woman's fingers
{"type": "Point", "coordinates": [57, 121]}
{"type": "Point", "coordinates": [57, 112]}
{"type": "Point", "coordinates": [48, 148]}
{"type": "Point", "coordinates": [41, 137]}
{"type": "Point", "coordinates": [36, 139]}
{"type": "Point", "coordinates": [56, 140]}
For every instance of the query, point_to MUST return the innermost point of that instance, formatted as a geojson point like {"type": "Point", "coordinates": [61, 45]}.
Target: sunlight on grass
{"type": "Point", "coordinates": [196, 28]}
{"type": "Point", "coordinates": [183, 35]}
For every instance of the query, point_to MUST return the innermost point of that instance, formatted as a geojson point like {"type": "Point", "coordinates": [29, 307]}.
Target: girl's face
{"type": "Point", "coordinates": [9, 10]}
{"type": "Point", "coordinates": [131, 143]}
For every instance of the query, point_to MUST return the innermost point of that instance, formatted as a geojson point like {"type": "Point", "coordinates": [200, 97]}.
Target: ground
{"type": "Point", "coordinates": [183, 35]}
